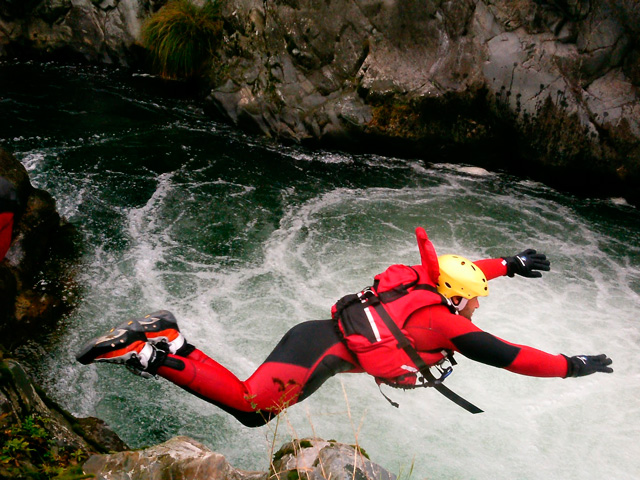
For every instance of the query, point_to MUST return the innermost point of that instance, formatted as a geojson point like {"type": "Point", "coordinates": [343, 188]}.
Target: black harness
{"type": "Point", "coordinates": [427, 378]}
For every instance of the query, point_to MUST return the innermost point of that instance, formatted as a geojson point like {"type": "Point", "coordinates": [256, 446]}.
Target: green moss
{"type": "Point", "coordinates": [362, 451]}
{"type": "Point", "coordinates": [306, 444]}
{"type": "Point", "coordinates": [287, 449]}
{"type": "Point", "coordinates": [292, 448]}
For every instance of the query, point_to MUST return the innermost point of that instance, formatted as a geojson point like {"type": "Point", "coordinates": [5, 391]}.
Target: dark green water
{"type": "Point", "coordinates": [242, 238]}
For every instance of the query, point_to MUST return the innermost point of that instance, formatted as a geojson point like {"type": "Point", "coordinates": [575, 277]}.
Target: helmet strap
{"type": "Point", "coordinates": [462, 302]}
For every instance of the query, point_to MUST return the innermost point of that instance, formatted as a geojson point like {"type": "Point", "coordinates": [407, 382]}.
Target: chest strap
{"type": "Point", "coordinates": [405, 344]}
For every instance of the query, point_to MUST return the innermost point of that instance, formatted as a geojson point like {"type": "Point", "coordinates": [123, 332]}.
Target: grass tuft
{"type": "Point", "coordinates": [182, 37]}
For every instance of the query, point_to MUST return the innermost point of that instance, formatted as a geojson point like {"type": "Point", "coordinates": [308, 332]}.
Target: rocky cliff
{"type": "Point", "coordinates": [546, 88]}
{"type": "Point", "coordinates": [36, 281]}
{"type": "Point", "coordinates": [95, 30]}
{"type": "Point", "coordinates": [543, 88]}
{"type": "Point", "coordinates": [37, 436]}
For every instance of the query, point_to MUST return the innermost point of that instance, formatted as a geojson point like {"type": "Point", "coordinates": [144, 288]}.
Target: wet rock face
{"type": "Point", "coordinates": [545, 88]}
{"type": "Point", "coordinates": [95, 30]}
{"type": "Point", "coordinates": [20, 399]}
{"type": "Point", "coordinates": [553, 82]}
{"type": "Point", "coordinates": [49, 436]}
{"type": "Point", "coordinates": [32, 281]}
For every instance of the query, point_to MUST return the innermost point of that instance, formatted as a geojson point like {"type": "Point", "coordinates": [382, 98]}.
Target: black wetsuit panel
{"type": "Point", "coordinates": [484, 347]}
{"type": "Point", "coordinates": [305, 343]}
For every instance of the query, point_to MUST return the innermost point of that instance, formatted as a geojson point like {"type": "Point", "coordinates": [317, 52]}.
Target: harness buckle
{"type": "Point", "coordinates": [443, 370]}
{"type": "Point", "coordinates": [367, 295]}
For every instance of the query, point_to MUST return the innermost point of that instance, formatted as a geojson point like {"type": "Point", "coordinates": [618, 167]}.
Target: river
{"type": "Point", "coordinates": [243, 238]}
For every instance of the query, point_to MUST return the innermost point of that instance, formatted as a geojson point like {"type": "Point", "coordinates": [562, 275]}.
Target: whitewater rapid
{"type": "Point", "coordinates": [242, 239]}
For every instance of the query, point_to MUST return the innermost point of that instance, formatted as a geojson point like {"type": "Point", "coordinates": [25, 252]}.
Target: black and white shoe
{"type": "Point", "coordinates": [119, 345]}
{"type": "Point", "coordinates": [160, 329]}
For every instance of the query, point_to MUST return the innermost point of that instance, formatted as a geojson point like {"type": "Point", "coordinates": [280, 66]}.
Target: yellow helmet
{"type": "Point", "coordinates": [460, 277]}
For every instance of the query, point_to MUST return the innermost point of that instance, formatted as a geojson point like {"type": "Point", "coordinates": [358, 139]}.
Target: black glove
{"type": "Point", "coordinates": [526, 262]}
{"type": "Point", "coordinates": [581, 365]}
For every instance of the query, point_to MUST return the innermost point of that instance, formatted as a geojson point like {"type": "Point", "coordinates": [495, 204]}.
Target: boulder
{"type": "Point", "coordinates": [317, 459]}
{"type": "Point", "coordinates": [36, 278]}
{"type": "Point", "coordinates": [179, 457]}
{"type": "Point", "coordinates": [183, 457]}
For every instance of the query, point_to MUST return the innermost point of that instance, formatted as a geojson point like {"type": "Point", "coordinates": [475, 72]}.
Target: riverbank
{"type": "Point", "coordinates": [545, 90]}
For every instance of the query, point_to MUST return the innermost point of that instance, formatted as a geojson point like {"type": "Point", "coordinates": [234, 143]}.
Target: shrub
{"type": "Point", "coordinates": [182, 37]}
{"type": "Point", "coordinates": [28, 450]}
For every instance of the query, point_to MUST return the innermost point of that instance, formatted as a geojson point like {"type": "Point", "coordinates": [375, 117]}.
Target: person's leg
{"type": "Point", "coordinates": [308, 355]}
{"type": "Point", "coordinates": [304, 359]}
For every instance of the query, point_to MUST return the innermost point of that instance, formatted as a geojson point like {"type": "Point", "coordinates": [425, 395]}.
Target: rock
{"type": "Point", "coordinates": [316, 459]}
{"type": "Point", "coordinates": [19, 399]}
{"type": "Point", "coordinates": [35, 275]}
{"type": "Point", "coordinates": [99, 31]}
{"type": "Point", "coordinates": [180, 457]}
{"type": "Point", "coordinates": [22, 406]}
{"type": "Point", "coordinates": [50, 436]}
{"type": "Point", "coordinates": [97, 432]}
{"type": "Point", "coordinates": [459, 77]}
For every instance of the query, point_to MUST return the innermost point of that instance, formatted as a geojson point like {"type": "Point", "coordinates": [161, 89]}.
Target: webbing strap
{"type": "Point", "coordinates": [405, 344]}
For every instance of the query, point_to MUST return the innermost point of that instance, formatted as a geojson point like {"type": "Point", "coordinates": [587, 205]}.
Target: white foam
{"type": "Point", "coordinates": [237, 305]}
{"type": "Point", "coordinates": [33, 161]}
{"type": "Point", "coordinates": [619, 201]}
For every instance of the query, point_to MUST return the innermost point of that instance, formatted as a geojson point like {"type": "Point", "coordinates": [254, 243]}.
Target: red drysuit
{"type": "Point", "coordinates": [312, 352]}
{"type": "Point", "coordinates": [6, 229]}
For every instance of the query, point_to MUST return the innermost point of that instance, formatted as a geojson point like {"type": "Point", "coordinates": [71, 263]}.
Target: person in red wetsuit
{"type": "Point", "coordinates": [313, 351]}
{"type": "Point", "coordinates": [8, 206]}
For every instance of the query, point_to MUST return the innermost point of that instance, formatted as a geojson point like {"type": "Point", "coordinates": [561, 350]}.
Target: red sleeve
{"type": "Point", "coordinates": [6, 229]}
{"type": "Point", "coordinates": [435, 328]}
{"type": "Point", "coordinates": [492, 268]}
{"type": "Point", "coordinates": [537, 363]}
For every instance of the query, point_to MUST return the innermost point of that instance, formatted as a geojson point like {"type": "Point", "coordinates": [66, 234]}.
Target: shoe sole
{"type": "Point", "coordinates": [117, 346]}
{"type": "Point", "coordinates": [158, 327]}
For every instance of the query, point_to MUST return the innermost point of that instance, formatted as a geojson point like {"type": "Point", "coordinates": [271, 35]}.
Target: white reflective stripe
{"type": "Point", "coordinates": [374, 327]}
{"type": "Point", "coordinates": [409, 368]}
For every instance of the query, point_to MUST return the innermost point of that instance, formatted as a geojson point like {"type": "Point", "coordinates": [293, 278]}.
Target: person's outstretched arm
{"type": "Point", "coordinates": [529, 264]}
{"type": "Point", "coordinates": [438, 328]}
